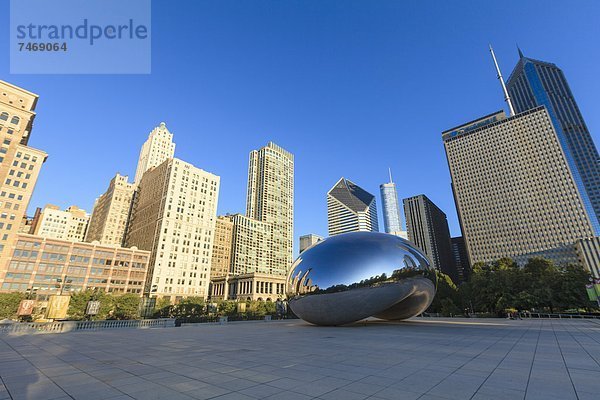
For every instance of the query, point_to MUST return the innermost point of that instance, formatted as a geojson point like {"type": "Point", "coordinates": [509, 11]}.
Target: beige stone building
{"type": "Point", "coordinates": [38, 263]}
{"type": "Point", "coordinates": [173, 216]}
{"type": "Point", "coordinates": [111, 212]}
{"type": "Point", "coordinates": [270, 199]}
{"type": "Point", "coordinates": [158, 148]}
{"type": "Point", "coordinates": [251, 286]}
{"type": "Point", "coordinates": [70, 224]}
{"type": "Point", "coordinates": [515, 194]}
{"type": "Point", "coordinates": [19, 164]}
{"type": "Point", "coordinates": [222, 246]}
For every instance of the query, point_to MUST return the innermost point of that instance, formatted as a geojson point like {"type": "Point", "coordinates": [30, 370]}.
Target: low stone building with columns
{"type": "Point", "coordinates": [252, 286]}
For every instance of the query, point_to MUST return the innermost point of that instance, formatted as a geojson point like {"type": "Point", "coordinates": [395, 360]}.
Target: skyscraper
{"type": "Point", "coordinates": [461, 259]}
{"type": "Point", "coordinates": [158, 147]}
{"type": "Point", "coordinates": [392, 219]}
{"type": "Point", "coordinates": [19, 164]}
{"type": "Point", "coordinates": [173, 216]}
{"type": "Point", "coordinates": [350, 208]}
{"type": "Point", "coordinates": [270, 199]}
{"type": "Point", "coordinates": [427, 227]}
{"type": "Point", "coordinates": [514, 191]}
{"type": "Point", "coordinates": [70, 224]}
{"type": "Point", "coordinates": [536, 83]}
{"type": "Point", "coordinates": [111, 212]}
{"type": "Point", "coordinates": [252, 248]}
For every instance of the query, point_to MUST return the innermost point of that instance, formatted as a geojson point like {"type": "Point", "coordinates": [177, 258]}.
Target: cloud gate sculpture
{"type": "Point", "coordinates": [352, 276]}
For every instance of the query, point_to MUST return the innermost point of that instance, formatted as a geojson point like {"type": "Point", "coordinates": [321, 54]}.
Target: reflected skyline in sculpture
{"type": "Point", "coordinates": [352, 276]}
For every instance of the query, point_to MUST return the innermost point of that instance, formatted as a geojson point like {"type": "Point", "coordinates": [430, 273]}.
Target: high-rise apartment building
{"type": "Point", "coordinates": [392, 218]}
{"type": "Point", "coordinates": [222, 246]}
{"type": "Point", "coordinates": [514, 190]}
{"type": "Point", "coordinates": [270, 199]}
{"type": "Point", "coordinates": [173, 216]}
{"type": "Point", "coordinates": [19, 164]}
{"type": "Point", "coordinates": [70, 224]}
{"type": "Point", "coordinates": [427, 227]}
{"type": "Point", "coordinates": [261, 248]}
{"type": "Point", "coordinates": [536, 83]}
{"type": "Point", "coordinates": [350, 208]}
{"type": "Point", "coordinates": [308, 240]}
{"type": "Point", "coordinates": [251, 249]}
{"type": "Point", "coordinates": [158, 148]}
{"type": "Point", "coordinates": [111, 212]}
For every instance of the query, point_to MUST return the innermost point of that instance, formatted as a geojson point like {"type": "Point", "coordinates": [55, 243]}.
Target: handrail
{"type": "Point", "coordinates": [69, 326]}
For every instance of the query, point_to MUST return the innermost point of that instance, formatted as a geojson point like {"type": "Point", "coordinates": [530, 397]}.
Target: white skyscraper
{"type": "Point", "coordinates": [350, 208]}
{"type": "Point", "coordinates": [392, 219]}
{"type": "Point", "coordinates": [158, 148]}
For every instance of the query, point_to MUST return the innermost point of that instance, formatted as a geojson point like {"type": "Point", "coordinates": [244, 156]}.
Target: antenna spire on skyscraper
{"type": "Point", "coordinates": [390, 171]}
{"type": "Point", "coordinates": [520, 52]}
{"type": "Point", "coordinates": [506, 96]}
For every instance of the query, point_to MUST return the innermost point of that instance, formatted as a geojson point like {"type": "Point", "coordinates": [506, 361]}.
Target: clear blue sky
{"type": "Point", "coordinates": [349, 87]}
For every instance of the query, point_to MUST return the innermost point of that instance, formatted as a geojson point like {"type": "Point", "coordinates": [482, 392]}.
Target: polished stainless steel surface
{"type": "Point", "coordinates": [352, 276]}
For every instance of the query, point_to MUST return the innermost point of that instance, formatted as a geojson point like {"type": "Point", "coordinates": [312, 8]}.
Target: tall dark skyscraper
{"type": "Point", "coordinates": [461, 258]}
{"type": "Point", "coordinates": [536, 83]}
{"type": "Point", "coordinates": [427, 227]}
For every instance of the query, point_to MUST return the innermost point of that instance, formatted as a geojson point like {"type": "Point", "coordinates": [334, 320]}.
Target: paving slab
{"type": "Point", "coordinates": [423, 358]}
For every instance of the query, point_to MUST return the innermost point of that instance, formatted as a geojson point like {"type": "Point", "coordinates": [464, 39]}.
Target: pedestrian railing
{"type": "Point", "coordinates": [70, 326]}
{"type": "Point", "coordinates": [529, 315]}
{"type": "Point", "coordinates": [522, 315]}
{"type": "Point", "coordinates": [222, 319]}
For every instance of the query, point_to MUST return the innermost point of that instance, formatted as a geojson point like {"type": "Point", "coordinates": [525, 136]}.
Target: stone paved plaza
{"type": "Point", "coordinates": [419, 359]}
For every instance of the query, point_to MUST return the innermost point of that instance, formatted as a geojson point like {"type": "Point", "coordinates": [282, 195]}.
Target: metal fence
{"type": "Point", "coordinates": [71, 326]}
{"type": "Point", "coordinates": [529, 315]}
{"type": "Point", "coordinates": [522, 315]}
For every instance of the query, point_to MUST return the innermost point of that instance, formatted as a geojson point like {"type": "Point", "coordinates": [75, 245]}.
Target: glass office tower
{"type": "Point", "coordinates": [392, 220]}
{"type": "Point", "coordinates": [535, 83]}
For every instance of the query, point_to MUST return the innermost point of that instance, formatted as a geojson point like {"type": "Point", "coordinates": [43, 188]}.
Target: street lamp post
{"type": "Point", "coordinates": [62, 284]}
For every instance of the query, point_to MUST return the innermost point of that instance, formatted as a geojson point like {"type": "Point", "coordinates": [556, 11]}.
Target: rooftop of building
{"type": "Point", "coordinates": [94, 244]}
{"type": "Point", "coordinates": [351, 195]}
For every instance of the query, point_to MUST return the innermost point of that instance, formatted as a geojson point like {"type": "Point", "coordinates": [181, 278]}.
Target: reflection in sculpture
{"type": "Point", "coordinates": [352, 276]}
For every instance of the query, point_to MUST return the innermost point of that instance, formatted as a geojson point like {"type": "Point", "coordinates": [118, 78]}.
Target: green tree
{"type": "Point", "coordinates": [447, 298]}
{"type": "Point", "coordinates": [448, 308]}
{"type": "Point", "coordinates": [79, 301]}
{"type": "Point", "coordinates": [568, 292]}
{"type": "Point", "coordinates": [226, 307]}
{"type": "Point", "coordinates": [270, 308]}
{"type": "Point", "coordinates": [126, 306]}
{"type": "Point", "coordinates": [162, 303]}
{"type": "Point", "coordinates": [193, 300]}
{"type": "Point", "coordinates": [256, 308]}
{"type": "Point", "coordinates": [538, 285]}
{"type": "Point", "coordinates": [9, 304]}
